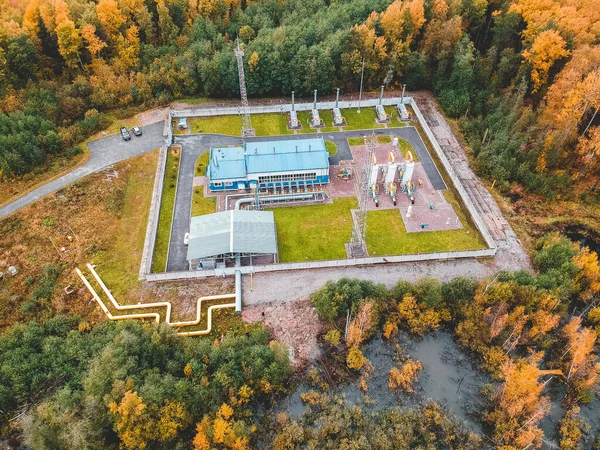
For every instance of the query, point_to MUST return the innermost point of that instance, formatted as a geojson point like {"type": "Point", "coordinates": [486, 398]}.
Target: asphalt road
{"type": "Point", "coordinates": [195, 145]}
{"type": "Point", "coordinates": [192, 146]}
{"type": "Point", "coordinates": [103, 152]}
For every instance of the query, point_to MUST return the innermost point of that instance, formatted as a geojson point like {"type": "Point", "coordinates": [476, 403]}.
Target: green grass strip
{"type": "Point", "coordinates": [165, 218]}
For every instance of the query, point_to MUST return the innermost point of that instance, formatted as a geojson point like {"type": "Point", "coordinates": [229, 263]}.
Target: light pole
{"type": "Point", "coordinates": [362, 72]}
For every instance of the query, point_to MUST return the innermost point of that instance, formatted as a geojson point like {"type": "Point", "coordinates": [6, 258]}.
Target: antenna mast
{"type": "Point", "coordinates": [247, 129]}
{"type": "Point", "coordinates": [358, 246]}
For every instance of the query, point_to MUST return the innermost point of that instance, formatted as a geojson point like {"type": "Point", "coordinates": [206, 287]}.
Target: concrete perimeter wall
{"type": "Point", "coordinates": [207, 112]}
{"type": "Point", "coordinates": [145, 269]}
{"type": "Point", "coordinates": [455, 180]}
{"type": "Point", "coordinates": [322, 264]}
{"type": "Point", "coordinates": [152, 228]}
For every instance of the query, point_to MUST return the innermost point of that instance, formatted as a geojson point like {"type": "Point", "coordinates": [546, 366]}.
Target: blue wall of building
{"type": "Point", "coordinates": [319, 180]}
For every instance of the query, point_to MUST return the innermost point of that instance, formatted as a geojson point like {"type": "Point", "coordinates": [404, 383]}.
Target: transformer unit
{"type": "Point", "coordinates": [294, 120]}
{"type": "Point", "coordinates": [381, 114]}
{"type": "Point", "coordinates": [315, 119]}
{"type": "Point", "coordinates": [338, 120]}
{"type": "Point", "coordinates": [402, 111]}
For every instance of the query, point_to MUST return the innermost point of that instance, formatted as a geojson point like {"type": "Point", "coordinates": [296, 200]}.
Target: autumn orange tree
{"type": "Point", "coordinates": [222, 432]}
{"type": "Point", "coordinates": [518, 404]}
{"type": "Point", "coordinates": [578, 360]}
{"type": "Point", "coordinates": [137, 424]}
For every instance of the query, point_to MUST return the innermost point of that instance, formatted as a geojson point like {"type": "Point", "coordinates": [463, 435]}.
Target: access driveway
{"type": "Point", "coordinates": [103, 152]}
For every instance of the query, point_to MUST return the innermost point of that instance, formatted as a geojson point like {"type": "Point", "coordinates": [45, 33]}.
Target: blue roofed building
{"type": "Point", "coordinates": [269, 164]}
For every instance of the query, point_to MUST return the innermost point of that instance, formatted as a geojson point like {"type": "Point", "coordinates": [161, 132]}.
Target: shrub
{"type": "Point", "coordinates": [355, 359]}
{"type": "Point", "coordinates": [333, 337]}
{"type": "Point", "coordinates": [404, 378]}
{"type": "Point", "coordinates": [45, 287]}
{"type": "Point", "coordinates": [458, 292]}
{"type": "Point", "coordinates": [429, 291]}
{"type": "Point", "coordinates": [334, 299]}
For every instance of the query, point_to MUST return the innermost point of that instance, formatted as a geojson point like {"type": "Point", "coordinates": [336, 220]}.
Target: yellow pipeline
{"type": "Point", "coordinates": [155, 316]}
{"type": "Point", "coordinates": [409, 156]}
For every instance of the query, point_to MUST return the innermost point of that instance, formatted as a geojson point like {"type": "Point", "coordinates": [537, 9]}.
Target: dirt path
{"type": "Point", "coordinates": [510, 251]}
{"type": "Point", "coordinates": [296, 324]}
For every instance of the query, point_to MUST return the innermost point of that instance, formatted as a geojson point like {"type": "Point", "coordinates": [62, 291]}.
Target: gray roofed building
{"type": "Point", "coordinates": [231, 233]}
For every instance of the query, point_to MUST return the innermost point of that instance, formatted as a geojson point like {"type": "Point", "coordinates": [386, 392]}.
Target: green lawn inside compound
{"type": "Point", "coordinates": [315, 232]}
{"type": "Point", "coordinates": [353, 141]}
{"type": "Point", "coordinates": [363, 121]}
{"type": "Point", "coordinates": [231, 125]}
{"type": "Point", "coordinates": [119, 263]}
{"type": "Point", "coordinates": [304, 119]}
{"type": "Point", "coordinates": [202, 205]}
{"type": "Point", "coordinates": [386, 234]}
{"type": "Point", "coordinates": [270, 124]}
{"type": "Point", "coordinates": [393, 113]}
{"type": "Point", "coordinates": [201, 164]}
{"type": "Point", "coordinates": [331, 148]}
{"type": "Point", "coordinates": [405, 147]}
{"type": "Point", "coordinates": [384, 139]}
{"type": "Point", "coordinates": [165, 218]}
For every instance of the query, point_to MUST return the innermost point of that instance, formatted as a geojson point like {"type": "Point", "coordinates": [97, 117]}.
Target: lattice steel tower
{"type": "Point", "coordinates": [247, 129]}
{"type": "Point", "coordinates": [358, 246]}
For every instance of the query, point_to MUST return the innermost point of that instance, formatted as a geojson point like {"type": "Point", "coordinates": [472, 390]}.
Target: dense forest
{"type": "Point", "coordinates": [521, 75]}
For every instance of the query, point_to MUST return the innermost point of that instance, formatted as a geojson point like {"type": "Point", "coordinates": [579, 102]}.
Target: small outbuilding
{"type": "Point", "coordinates": [228, 235]}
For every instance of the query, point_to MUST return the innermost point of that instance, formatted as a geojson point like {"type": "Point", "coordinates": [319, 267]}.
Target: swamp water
{"type": "Point", "coordinates": [448, 378]}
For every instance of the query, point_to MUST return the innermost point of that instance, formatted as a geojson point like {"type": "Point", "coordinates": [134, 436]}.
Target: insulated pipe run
{"type": "Point", "coordinates": [238, 290]}
{"type": "Point", "coordinates": [337, 97]}
{"type": "Point", "coordinates": [315, 105]}
{"type": "Point", "coordinates": [293, 101]}
{"type": "Point", "coordinates": [241, 201]}
{"type": "Point", "coordinates": [381, 95]}
{"type": "Point", "coordinates": [402, 98]}
{"type": "Point", "coordinates": [156, 316]}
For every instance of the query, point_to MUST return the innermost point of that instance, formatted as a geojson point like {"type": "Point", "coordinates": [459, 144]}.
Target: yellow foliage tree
{"type": "Point", "coordinates": [134, 426]}
{"type": "Point", "coordinates": [587, 261]}
{"type": "Point", "coordinates": [69, 42]}
{"type": "Point", "coordinates": [111, 18]}
{"type": "Point", "coordinates": [93, 43]}
{"type": "Point", "coordinates": [364, 323]}
{"type": "Point", "coordinates": [355, 359]}
{"type": "Point", "coordinates": [128, 49]}
{"type": "Point", "coordinates": [579, 364]}
{"type": "Point", "coordinates": [137, 424]}
{"type": "Point", "coordinates": [402, 21]}
{"type": "Point", "coordinates": [253, 61]}
{"type": "Point", "coordinates": [220, 432]}
{"type": "Point", "coordinates": [547, 48]}
{"type": "Point", "coordinates": [418, 319]}
{"type": "Point", "coordinates": [404, 378]}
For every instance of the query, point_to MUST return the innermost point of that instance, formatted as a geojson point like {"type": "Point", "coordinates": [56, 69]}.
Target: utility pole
{"type": "Point", "coordinates": [247, 129]}
{"type": "Point", "coordinates": [362, 73]}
